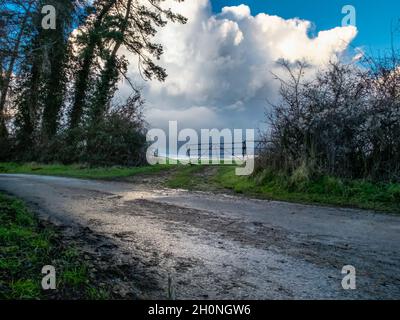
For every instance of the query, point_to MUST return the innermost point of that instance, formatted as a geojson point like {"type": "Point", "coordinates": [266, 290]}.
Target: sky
{"type": "Point", "coordinates": [221, 64]}
{"type": "Point", "coordinates": [374, 17]}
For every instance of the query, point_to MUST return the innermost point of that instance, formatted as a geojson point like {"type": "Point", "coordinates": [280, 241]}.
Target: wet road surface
{"type": "Point", "coordinates": [216, 246]}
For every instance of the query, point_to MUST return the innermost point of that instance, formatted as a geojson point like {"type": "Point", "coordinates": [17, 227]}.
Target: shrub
{"type": "Point", "coordinates": [345, 122]}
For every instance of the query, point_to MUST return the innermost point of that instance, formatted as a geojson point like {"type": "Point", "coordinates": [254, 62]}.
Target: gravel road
{"type": "Point", "coordinates": [215, 246]}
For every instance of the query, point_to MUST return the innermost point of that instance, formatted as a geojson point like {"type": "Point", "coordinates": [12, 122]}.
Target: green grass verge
{"type": "Point", "coordinates": [78, 171]}
{"type": "Point", "coordinates": [269, 185]}
{"type": "Point", "coordinates": [187, 177]}
{"type": "Point", "coordinates": [266, 184]}
{"type": "Point", "coordinates": [26, 246]}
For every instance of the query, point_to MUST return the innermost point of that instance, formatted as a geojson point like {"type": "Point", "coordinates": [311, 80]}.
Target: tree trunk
{"type": "Point", "coordinates": [55, 87]}
{"type": "Point", "coordinates": [8, 74]}
{"type": "Point", "coordinates": [82, 80]}
{"type": "Point", "coordinates": [109, 74]}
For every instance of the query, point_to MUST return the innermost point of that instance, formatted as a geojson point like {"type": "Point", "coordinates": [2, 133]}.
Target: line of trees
{"type": "Point", "coordinates": [57, 86]}
{"type": "Point", "coordinates": [344, 122]}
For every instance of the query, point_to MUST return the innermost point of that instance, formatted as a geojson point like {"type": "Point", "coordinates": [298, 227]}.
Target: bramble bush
{"type": "Point", "coordinates": [344, 122]}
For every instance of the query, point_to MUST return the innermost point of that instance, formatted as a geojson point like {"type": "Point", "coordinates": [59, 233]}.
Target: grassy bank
{"type": "Point", "coordinates": [269, 185]}
{"type": "Point", "coordinates": [266, 184]}
{"type": "Point", "coordinates": [78, 171]}
{"type": "Point", "coordinates": [26, 245]}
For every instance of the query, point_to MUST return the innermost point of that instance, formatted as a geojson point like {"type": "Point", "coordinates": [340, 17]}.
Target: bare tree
{"type": "Point", "coordinates": [15, 16]}
{"type": "Point", "coordinates": [343, 122]}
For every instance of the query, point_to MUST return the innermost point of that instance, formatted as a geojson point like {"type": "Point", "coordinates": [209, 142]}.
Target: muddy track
{"type": "Point", "coordinates": [216, 246]}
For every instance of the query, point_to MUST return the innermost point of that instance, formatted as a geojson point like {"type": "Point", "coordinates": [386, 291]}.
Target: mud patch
{"type": "Point", "coordinates": [116, 271]}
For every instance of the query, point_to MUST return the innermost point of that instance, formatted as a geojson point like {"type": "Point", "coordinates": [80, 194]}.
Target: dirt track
{"type": "Point", "coordinates": [219, 246]}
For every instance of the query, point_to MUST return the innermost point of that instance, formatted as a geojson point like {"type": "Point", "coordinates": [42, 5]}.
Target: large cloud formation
{"type": "Point", "coordinates": [220, 65]}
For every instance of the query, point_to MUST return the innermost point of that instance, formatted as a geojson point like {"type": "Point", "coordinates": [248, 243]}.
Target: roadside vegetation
{"type": "Point", "coordinates": [264, 183]}
{"type": "Point", "coordinates": [78, 171]}
{"type": "Point", "coordinates": [26, 245]}
{"type": "Point", "coordinates": [344, 122]}
{"type": "Point", "coordinates": [298, 187]}
{"type": "Point", "coordinates": [57, 85]}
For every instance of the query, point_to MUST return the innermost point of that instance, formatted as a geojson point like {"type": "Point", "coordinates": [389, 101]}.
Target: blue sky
{"type": "Point", "coordinates": [373, 16]}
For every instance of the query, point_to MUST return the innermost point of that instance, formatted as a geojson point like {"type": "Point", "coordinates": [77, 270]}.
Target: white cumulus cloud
{"type": "Point", "coordinates": [219, 65]}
